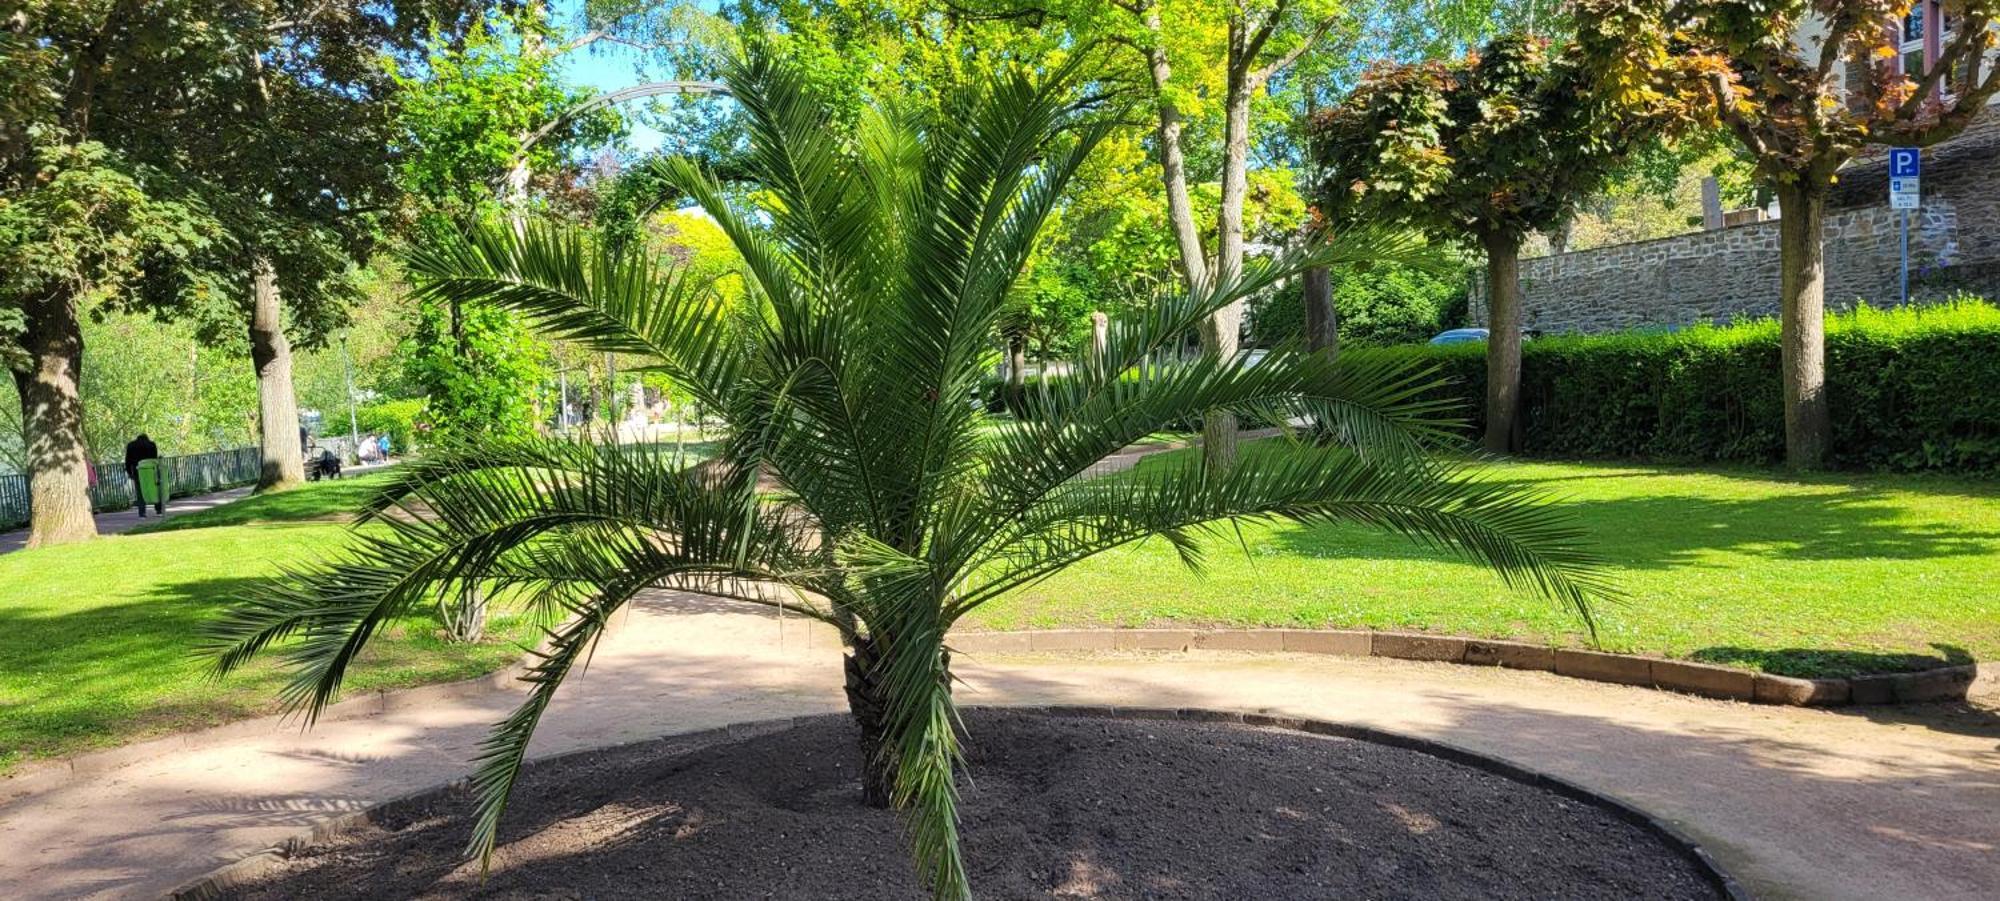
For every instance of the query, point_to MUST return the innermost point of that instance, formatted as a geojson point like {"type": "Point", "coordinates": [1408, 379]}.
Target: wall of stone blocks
{"type": "Point", "coordinates": [1716, 276]}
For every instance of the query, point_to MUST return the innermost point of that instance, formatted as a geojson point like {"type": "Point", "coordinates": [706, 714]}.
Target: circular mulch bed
{"type": "Point", "coordinates": [1054, 807]}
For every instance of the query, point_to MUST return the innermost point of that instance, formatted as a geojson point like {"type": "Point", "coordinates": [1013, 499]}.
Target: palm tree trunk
{"type": "Point", "coordinates": [868, 702]}
{"type": "Point", "coordinates": [277, 404]}
{"type": "Point", "coordinates": [1802, 322]}
{"type": "Point", "coordinates": [52, 423]}
{"type": "Point", "coordinates": [1503, 342]}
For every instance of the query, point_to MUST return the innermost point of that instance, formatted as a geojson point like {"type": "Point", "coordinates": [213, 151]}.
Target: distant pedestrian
{"type": "Point", "coordinates": [141, 449]}
{"type": "Point", "coordinates": [383, 441]}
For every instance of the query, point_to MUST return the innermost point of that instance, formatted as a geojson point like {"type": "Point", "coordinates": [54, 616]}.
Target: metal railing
{"type": "Point", "coordinates": [186, 476]}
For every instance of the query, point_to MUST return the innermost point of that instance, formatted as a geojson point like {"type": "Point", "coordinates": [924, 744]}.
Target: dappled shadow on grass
{"type": "Point", "coordinates": [1670, 531]}
{"type": "Point", "coordinates": [110, 673]}
{"type": "Point", "coordinates": [112, 670]}
{"type": "Point", "coordinates": [1825, 662]}
{"type": "Point", "coordinates": [1938, 484]}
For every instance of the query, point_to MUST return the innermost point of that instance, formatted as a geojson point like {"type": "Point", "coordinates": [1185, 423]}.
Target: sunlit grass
{"type": "Point", "coordinates": [97, 640]}
{"type": "Point", "coordinates": [1822, 575]}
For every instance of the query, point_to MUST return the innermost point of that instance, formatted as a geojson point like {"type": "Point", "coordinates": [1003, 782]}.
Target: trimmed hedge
{"type": "Point", "coordinates": [1914, 388]}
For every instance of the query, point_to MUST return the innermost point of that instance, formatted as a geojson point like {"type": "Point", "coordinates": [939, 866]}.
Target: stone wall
{"type": "Point", "coordinates": [1715, 276]}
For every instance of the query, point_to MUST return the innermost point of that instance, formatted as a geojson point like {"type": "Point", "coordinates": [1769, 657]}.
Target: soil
{"type": "Point", "coordinates": [1053, 808]}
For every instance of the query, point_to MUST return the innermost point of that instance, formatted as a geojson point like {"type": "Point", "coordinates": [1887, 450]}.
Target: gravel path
{"type": "Point", "coordinates": [1871, 803]}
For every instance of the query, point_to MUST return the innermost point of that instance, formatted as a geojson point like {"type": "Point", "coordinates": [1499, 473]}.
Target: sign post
{"type": "Point", "coordinates": [1905, 174]}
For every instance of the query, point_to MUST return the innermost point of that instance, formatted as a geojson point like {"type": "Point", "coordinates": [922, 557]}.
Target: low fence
{"type": "Point", "coordinates": [189, 475]}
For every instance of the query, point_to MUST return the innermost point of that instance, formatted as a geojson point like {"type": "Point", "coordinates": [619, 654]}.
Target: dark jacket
{"type": "Point", "coordinates": [141, 448]}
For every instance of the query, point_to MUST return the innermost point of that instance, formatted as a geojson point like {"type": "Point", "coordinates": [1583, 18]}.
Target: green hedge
{"type": "Point", "coordinates": [395, 418]}
{"type": "Point", "coordinates": [1916, 388]}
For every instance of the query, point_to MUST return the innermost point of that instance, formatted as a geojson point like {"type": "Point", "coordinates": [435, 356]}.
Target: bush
{"type": "Point", "coordinates": [1373, 307]}
{"type": "Point", "coordinates": [1910, 389]}
{"type": "Point", "coordinates": [999, 397]}
{"type": "Point", "coordinates": [395, 418]}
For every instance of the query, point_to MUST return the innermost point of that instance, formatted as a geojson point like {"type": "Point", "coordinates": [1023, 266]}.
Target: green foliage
{"type": "Point", "coordinates": [466, 109]}
{"type": "Point", "coordinates": [1489, 147]}
{"type": "Point", "coordinates": [94, 227]}
{"type": "Point", "coordinates": [1374, 307]}
{"type": "Point", "coordinates": [478, 370]}
{"type": "Point", "coordinates": [1910, 389]}
{"type": "Point", "coordinates": [398, 419]}
{"type": "Point", "coordinates": [880, 265]}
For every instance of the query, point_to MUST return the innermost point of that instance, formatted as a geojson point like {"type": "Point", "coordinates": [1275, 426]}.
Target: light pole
{"type": "Point", "coordinates": [353, 421]}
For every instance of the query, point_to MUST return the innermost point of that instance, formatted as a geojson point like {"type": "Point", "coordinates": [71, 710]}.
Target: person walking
{"type": "Point", "coordinates": [142, 448]}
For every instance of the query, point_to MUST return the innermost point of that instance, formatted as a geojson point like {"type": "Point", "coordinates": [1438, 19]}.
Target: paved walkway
{"type": "Point", "coordinates": [1795, 802]}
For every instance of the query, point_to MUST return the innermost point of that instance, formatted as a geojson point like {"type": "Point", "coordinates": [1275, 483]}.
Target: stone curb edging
{"type": "Point", "coordinates": [1950, 683]}
{"type": "Point", "coordinates": [36, 777]}
{"type": "Point", "coordinates": [216, 883]}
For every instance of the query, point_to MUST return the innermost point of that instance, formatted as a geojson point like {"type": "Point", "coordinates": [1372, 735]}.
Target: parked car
{"type": "Point", "coordinates": [1460, 336]}
{"type": "Point", "coordinates": [1468, 335]}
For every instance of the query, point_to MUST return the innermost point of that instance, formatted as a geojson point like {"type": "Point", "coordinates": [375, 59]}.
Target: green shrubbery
{"type": "Point", "coordinates": [1374, 307]}
{"type": "Point", "coordinates": [395, 418]}
{"type": "Point", "coordinates": [1911, 389]}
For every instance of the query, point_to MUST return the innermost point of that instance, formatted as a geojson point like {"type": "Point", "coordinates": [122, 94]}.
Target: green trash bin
{"type": "Point", "coordinates": [153, 482]}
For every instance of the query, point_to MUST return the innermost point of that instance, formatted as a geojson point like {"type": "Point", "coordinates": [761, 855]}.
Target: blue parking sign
{"type": "Point", "coordinates": [1905, 162]}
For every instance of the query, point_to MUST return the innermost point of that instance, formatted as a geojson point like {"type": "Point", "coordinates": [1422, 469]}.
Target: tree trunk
{"type": "Point", "coordinates": [1100, 338]}
{"type": "Point", "coordinates": [283, 463]}
{"type": "Point", "coordinates": [1503, 343]}
{"type": "Point", "coordinates": [1322, 324]}
{"type": "Point", "coordinates": [869, 705]}
{"type": "Point", "coordinates": [868, 702]}
{"type": "Point", "coordinates": [1017, 360]}
{"type": "Point", "coordinates": [1222, 333]}
{"type": "Point", "coordinates": [1173, 165]}
{"type": "Point", "coordinates": [52, 424]}
{"type": "Point", "coordinates": [1802, 322]}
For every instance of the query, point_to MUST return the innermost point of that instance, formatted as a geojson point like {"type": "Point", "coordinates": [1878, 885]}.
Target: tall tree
{"type": "Point", "coordinates": [1483, 150]}
{"type": "Point", "coordinates": [1770, 78]}
{"type": "Point", "coordinates": [84, 223]}
{"type": "Point", "coordinates": [1188, 52]}
{"type": "Point", "coordinates": [467, 112]}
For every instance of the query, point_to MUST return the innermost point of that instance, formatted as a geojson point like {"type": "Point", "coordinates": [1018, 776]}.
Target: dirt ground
{"type": "Point", "coordinates": [1054, 808]}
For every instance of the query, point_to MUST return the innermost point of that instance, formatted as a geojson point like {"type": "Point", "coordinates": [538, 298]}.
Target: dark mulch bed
{"type": "Point", "coordinates": [1056, 807]}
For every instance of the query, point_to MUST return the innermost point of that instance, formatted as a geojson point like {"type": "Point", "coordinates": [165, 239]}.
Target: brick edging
{"type": "Point", "coordinates": [1949, 683]}
{"type": "Point", "coordinates": [234, 875]}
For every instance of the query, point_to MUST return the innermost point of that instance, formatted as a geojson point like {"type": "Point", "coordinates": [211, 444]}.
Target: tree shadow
{"type": "Point", "coordinates": [1809, 662]}
{"type": "Point", "coordinates": [1674, 531]}
{"type": "Point", "coordinates": [113, 673]}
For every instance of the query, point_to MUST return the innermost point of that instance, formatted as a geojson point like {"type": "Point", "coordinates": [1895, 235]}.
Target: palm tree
{"type": "Point", "coordinates": [859, 485]}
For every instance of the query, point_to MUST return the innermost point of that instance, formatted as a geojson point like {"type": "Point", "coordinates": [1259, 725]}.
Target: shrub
{"type": "Point", "coordinates": [1911, 389]}
{"type": "Point", "coordinates": [1376, 307]}
{"type": "Point", "coordinates": [395, 418]}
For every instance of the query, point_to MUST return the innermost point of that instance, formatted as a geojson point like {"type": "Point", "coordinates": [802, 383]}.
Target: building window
{"type": "Point", "coordinates": [1911, 48]}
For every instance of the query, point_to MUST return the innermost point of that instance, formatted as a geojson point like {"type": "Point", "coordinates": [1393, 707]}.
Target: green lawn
{"type": "Point", "coordinates": [96, 639]}
{"type": "Point", "coordinates": [333, 500]}
{"type": "Point", "coordinates": [1825, 575]}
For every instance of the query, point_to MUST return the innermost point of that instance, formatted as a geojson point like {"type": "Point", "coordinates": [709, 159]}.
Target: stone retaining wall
{"type": "Point", "coordinates": [1715, 276]}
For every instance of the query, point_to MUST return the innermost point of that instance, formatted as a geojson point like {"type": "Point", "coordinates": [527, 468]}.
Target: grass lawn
{"type": "Point", "coordinates": [1822, 575]}
{"type": "Point", "coordinates": [333, 500]}
{"type": "Point", "coordinates": [96, 639]}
